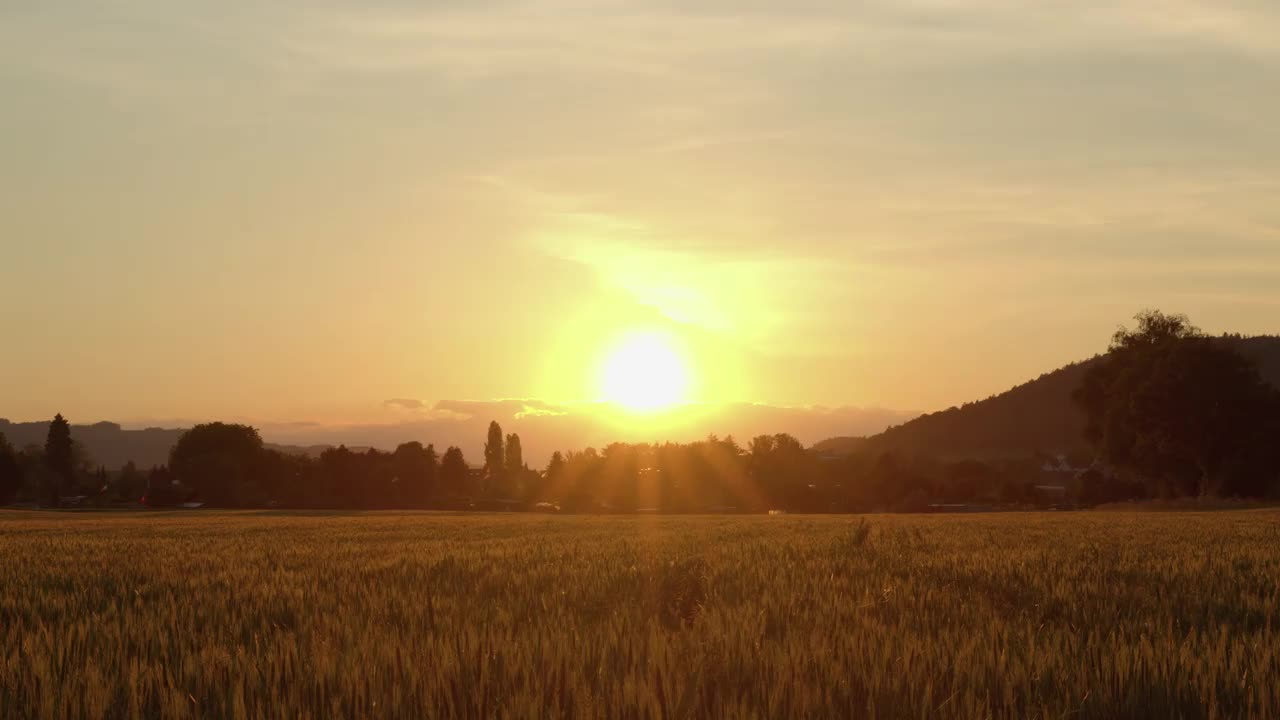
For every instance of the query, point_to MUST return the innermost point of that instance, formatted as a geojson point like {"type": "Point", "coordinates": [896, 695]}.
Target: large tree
{"type": "Point", "coordinates": [514, 460]}
{"type": "Point", "coordinates": [454, 471]}
{"type": "Point", "coordinates": [221, 462]}
{"type": "Point", "coordinates": [415, 469]}
{"type": "Point", "coordinates": [1181, 411]}
{"type": "Point", "coordinates": [59, 457]}
{"type": "Point", "coordinates": [782, 472]}
{"type": "Point", "coordinates": [494, 458]}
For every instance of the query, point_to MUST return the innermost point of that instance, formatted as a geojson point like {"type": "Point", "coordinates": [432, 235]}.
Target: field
{"type": "Point", "coordinates": [410, 615]}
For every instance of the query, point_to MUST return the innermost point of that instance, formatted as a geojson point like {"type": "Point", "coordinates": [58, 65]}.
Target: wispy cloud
{"type": "Point", "coordinates": [404, 404]}
{"type": "Point", "coordinates": [682, 41]}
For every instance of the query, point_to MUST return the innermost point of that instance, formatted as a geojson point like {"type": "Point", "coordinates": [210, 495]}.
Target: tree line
{"type": "Point", "coordinates": [1170, 412]}
{"type": "Point", "coordinates": [227, 465]}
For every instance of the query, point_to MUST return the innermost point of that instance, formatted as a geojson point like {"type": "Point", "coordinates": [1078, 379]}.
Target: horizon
{"type": "Point", "coordinates": [546, 429]}
{"type": "Point", "coordinates": [578, 425]}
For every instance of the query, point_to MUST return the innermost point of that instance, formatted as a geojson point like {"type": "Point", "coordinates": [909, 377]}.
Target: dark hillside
{"type": "Point", "coordinates": [1037, 416]}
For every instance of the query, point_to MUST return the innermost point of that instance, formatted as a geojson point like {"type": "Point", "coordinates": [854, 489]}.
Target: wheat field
{"type": "Point", "coordinates": [411, 615]}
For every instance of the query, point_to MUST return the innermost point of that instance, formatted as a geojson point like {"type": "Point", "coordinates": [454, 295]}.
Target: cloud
{"type": "Point", "coordinates": [403, 404]}
{"type": "Point", "coordinates": [536, 408]}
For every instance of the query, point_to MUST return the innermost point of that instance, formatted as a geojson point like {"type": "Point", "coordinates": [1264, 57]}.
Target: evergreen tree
{"type": "Point", "coordinates": [494, 458]}
{"type": "Point", "coordinates": [59, 458]}
{"type": "Point", "coordinates": [514, 455]}
{"type": "Point", "coordinates": [552, 481]}
{"type": "Point", "coordinates": [556, 466]}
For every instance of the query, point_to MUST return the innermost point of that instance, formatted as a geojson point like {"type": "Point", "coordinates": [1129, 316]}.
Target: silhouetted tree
{"type": "Point", "coordinates": [414, 467]}
{"type": "Point", "coordinates": [433, 471]}
{"type": "Point", "coordinates": [553, 475]}
{"type": "Point", "coordinates": [618, 477]}
{"type": "Point", "coordinates": [454, 471]}
{"type": "Point", "coordinates": [494, 458]}
{"type": "Point", "coordinates": [221, 462]}
{"type": "Point", "coordinates": [10, 472]}
{"type": "Point", "coordinates": [36, 475]}
{"type": "Point", "coordinates": [514, 457]}
{"type": "Point", "coordinates": [782, 472]}
{"type": "Point", "coordinates": [59, 458]}
{"type": "Point", "coordinates": [575, 486]}
{"type": "Point", "coordinates": [161, 491]}
{"type": "Point", "coordinates": [369, 479]}
{"type": "Point", "coordinates": [130, 484]}
{"type": "Point", "coordinates": [1182, 411]}
{"type": "Point", "coordinates": [555, 466]}
{"type": "Point", "coordinates": [520, 481]}
{"type": "Point", "coordinates": [338, 478]}
{"type": "Point", "coordinates": [289, 480]}
{"type": "Point", "coordinates": [381, 486]}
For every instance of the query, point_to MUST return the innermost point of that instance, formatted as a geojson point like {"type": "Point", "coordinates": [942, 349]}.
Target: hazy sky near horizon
{"type": "Point", "coordinates": [301, 209]}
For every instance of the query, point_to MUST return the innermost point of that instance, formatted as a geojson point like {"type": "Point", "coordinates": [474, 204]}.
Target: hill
{"type": "Point", "coordinates": [843, 445]}
{"type": "Point", "coordinates": [107, 443]}
{"type": "Point", "coordinates": [112, 446]}
{"type": "Point", "coordinates": [1037, 416]}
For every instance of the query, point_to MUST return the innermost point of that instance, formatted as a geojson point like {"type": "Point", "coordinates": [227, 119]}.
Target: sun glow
{"type": "Point", "coordinates": [645, 373]}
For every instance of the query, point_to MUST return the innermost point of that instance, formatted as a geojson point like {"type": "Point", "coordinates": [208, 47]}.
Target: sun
{"type": "Point", "coordinates": [645, 373]}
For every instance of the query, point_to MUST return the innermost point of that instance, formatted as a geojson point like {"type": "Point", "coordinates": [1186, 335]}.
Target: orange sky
{"type": "Point", "coordinates": [298, 212]}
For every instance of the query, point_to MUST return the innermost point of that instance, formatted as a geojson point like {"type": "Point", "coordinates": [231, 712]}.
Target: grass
{"type": "Point", "coordinates": [410, 615]}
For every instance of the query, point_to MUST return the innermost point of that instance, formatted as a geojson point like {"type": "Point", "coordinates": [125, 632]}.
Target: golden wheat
{"type": "Point", "coordinates": [409, 615]}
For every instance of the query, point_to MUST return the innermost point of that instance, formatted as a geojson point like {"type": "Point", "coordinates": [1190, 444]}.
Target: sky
{"type": "Point", "coordinates": [328, 215]}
